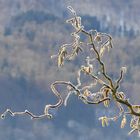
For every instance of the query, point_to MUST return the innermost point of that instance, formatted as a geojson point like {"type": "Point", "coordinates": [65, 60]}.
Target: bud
{"type": "Point", "coordinates": [98, 38]}
{"type": "Point", "coordinates": [124, 69]}
{"type": "Point", "coordinates": [121, 95]}
{"type": "Point", "coordinates": [71, 10]}
{"type": "Point", "coordinates": [106, 103]}
{"type": "Point", "coordinates": [123, 122]}
{"type": "Point", "coordinates": [86, 93]}
{"type": "Point", "coordinates": [87, 70]}
{"type": "Point", "coordinates": [105, 92]}
{"type": "Point", "coordinates": [104, 121]}
{"type": "Point", "coordinates": [102, 50]}
{"type": "Point", "coordinates": [62, 54]}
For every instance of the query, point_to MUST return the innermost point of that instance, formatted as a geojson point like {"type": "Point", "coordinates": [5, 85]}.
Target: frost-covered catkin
{"type": "Point", "coordinates": [123, 122]}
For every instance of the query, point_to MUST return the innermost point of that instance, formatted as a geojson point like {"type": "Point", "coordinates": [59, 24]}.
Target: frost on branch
{"type": "Point", "coordinates": [108, 90]}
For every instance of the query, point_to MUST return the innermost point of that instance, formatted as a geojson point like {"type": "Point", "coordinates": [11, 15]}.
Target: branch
{"type": "Point", "coordinates": [90, 102]}
{"type": "Point", "coordinates": [98, 58]}
{"type": "Point", "coordinates": [122, 71]}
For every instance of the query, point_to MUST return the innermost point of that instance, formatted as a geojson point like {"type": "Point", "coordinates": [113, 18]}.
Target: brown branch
{"type": "Point", "coordinates": [119, 80]}
{"type": "Point", "coordinates": [105, 99]}
{"type": "Point", "coordinates": [90, 102]}
{"type": "Point", "coordinates": [98, 58]}
{"type": "Point", "coordinates": [126, 102]}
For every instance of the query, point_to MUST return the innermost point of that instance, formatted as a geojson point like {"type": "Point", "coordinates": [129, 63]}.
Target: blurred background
{"type": "Point", "coordinates": [30, 32]}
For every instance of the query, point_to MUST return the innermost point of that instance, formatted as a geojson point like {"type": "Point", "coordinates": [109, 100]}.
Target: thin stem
{"type": "Point", "coordinates": [119, 80]}
{"type": "Point", "coordinates": [98, 102]}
